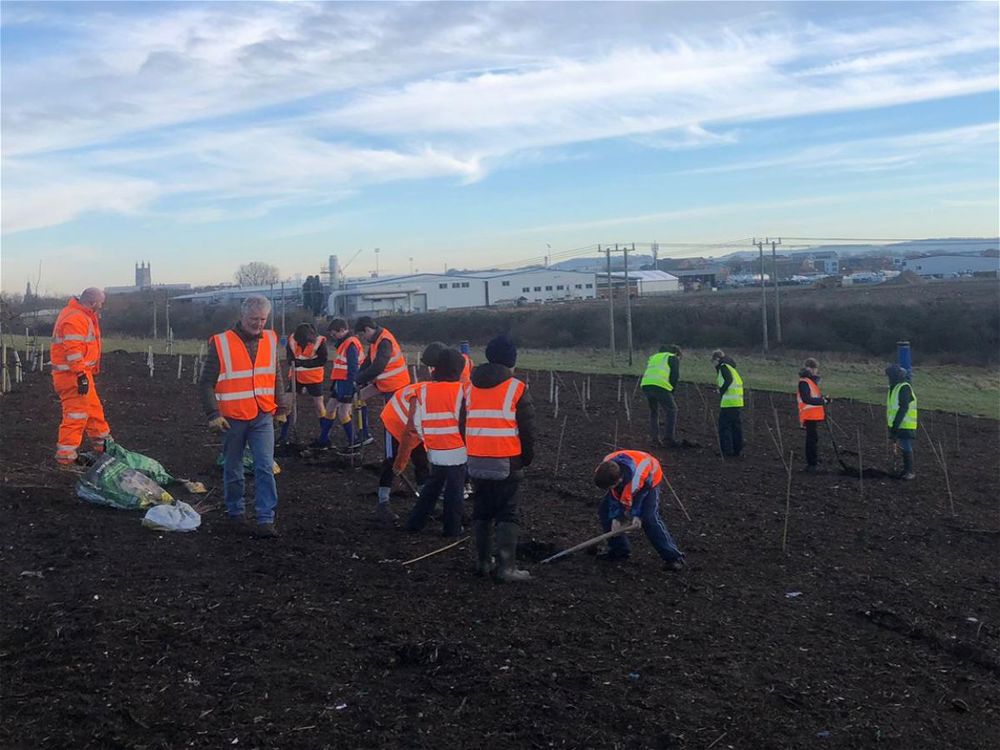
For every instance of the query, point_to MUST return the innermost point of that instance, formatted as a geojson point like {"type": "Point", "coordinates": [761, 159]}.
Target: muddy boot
{"type": "Point", "coordinates": [483, 531]}
{"type": "Point", "coordinates": [908, 472]}
{"type": "Point", "coordinates": [507, 572]}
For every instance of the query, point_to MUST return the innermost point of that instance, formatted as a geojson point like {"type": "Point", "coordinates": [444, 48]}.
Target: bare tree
{"type": "Point", "coordinates": [256, 273]}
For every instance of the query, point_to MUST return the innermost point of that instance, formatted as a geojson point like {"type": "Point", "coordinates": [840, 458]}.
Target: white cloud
{"type": "Point", "coordinates": [304, 103]}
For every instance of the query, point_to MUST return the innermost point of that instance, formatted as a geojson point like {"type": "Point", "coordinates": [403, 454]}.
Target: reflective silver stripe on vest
{"type": "Point", "coordinates": [234, 396]}
{"type": "Point", "coordinates": [491, 431]}
{"type": "Point", "coordinates": [76, 415]}
{"type": "Point", "coordinates": [390, 373]}
{"type": "Point", "coordinates": [637, 477]}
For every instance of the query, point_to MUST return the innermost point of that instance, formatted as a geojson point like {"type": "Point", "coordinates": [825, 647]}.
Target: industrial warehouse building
{"type": "Point", "coordinates": [430, 291]}
{"type": "Point", "coordinates": [952, 265]}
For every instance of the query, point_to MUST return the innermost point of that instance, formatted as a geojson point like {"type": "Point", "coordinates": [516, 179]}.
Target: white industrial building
{"type": "Point", "coordinates": [951, 265]}
{"type": "Point", "coordinates": [425, 292]}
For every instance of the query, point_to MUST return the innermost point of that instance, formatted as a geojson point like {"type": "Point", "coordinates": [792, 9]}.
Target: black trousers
{"type": "Point", "coordinates": [658, 397]}
{"type": "Point", "coordinates": [452, 480]}
{"type": "Point", "coordinates": [730, 431]}
{"type": "Point", "coordinates": [812, 442]}
{"type": "Point", "coordinates": [496, 499]}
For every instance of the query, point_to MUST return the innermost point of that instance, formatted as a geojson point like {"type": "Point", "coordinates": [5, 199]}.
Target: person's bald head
{"type": "Point", "coordinates": [93, 298]}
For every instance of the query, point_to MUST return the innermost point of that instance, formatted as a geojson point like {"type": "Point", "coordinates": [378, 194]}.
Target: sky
{"type": "Point", "coordinates": [199, 136]}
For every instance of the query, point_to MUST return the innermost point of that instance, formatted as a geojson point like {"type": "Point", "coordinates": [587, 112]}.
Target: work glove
{"type": "Point", "coordinates": [82, 384]}
{"type": "Point", "coordinates": [218, 424]}
{"type": "Point", "coordinates": [280, 418]}
{"type": "Point", "coordinates": [827, 400]}
{"type": "Point", "coordinates": [636, 522]}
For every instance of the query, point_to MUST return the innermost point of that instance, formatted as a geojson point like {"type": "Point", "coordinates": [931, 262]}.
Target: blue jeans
{"type": "Point", "coordinates": [258, 433]}
{"type": "Point", "coordinates": [452, 480]}
{"type": "Point", "coordinates": [652, 524]}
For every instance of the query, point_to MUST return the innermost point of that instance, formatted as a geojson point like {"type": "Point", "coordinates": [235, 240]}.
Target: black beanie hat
{"type": "Point", "coordinates": [502, 351]}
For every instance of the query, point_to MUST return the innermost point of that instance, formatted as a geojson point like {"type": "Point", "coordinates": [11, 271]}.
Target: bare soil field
{"type": "Point", "coordinates": [877, 626]}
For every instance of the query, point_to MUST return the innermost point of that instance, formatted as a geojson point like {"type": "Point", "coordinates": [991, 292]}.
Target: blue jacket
{"type": "Point", "coordinates": [639, 499]}
{"type": "Point", "coordinates": [344, 389]}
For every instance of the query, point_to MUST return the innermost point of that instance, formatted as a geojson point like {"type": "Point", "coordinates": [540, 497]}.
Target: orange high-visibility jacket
{"type": "Point", "coordinates": [810, 412]}
{"type": "Point", "coordinates": [303, 374]}
{"type": "Point", "coordinates": [339, 371]}
{"type": "Point", "coordinates": [395, 375]}
{"type": "Point", "coordinates": [245, 388]}
{"type": "Point", "coordinates": [645, 470]}
{"type": "Point", "coordinates": [396, 413]}
{"type": "Point", "coordinates": [491, 420]}
{"type": "Point", "coordinates": [466, 370]}
{"type": "Point", "coordinates": [76, 341]}
{"type": "Point", "coordinates": [437, 412]}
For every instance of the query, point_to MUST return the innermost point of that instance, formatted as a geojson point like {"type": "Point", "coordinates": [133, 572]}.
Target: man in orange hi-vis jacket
{"type": "Point", "coordinates": [76, 359]}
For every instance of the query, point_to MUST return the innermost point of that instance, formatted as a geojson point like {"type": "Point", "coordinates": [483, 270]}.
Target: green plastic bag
{"type": "Point", "coordinates": [144, 464]}
{"type": "Point", "coordinates": [110, 481]}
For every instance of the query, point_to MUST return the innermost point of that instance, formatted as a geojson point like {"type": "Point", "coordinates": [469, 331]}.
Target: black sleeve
{"type": "Point", "coordinates": [525, 415]}
{"type": "Point", "coordinates": [209, 376]}
{"type": "Point", "coordinates": [806, 397]}
{"type": "Point", "coordinates": [463, 415]}
{"type": "Point", "coordinates": [727, 378]}
{"type": "Point", "coordinates": [373, 369]}
{"type": "Point", "coordinates": [289, 356]}
{"type": "Point", "coordinates": [675, 371]}
{"type": "Point", "coordinates": [905, 397]}
{"type": "Point", "coordinates": [322, 355]}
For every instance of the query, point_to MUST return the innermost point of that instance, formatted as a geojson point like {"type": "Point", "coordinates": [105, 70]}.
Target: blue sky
{"type": "Point", "coordinates": [202, 135]}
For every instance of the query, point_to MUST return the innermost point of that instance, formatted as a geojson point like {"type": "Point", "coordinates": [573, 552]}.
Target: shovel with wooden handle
{"type": "Point", "coordinates": [590, 542]}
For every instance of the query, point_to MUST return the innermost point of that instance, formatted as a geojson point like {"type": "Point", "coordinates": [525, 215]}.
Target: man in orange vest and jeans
{"type": "Point", "coordinates": [243, 395]}
{"type": "Point", "coordinates": [76, 359]}
{"type": "Point", "coordinates": [439, 416]}
{"type": "Point", "coordinates": [812, 410]}
{"type": "Point", "coordinates": [631, 480]}
{"type": "Point", "coordinates": [500, 438]}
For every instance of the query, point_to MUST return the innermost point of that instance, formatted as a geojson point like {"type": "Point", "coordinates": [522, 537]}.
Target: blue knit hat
{"type": "Point", "coordinates": [502, 351]}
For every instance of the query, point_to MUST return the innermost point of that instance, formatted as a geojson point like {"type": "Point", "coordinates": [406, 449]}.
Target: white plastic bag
{"type": "Point", "coordinates": [177, 517]}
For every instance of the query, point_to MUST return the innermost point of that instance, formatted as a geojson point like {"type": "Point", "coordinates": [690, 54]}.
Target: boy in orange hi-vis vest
{"type": "Point", "coordinates": [631, 481]}
{"type": "Point", "coordinates": [500, 438]}
{"type": "Point", "coordinates": [439, 417]}
{"type": "Point", "coordinates": [812, 410]}
{"type": "Point", "coordinates": [243, 396]}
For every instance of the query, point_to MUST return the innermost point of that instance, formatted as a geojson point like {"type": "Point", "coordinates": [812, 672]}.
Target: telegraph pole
{"type": "Point", "coordinates": [777, 299]}
{"type": "Point", "coordinates": [170, 338]}
{"type": "Point", "coordinates": [611, 304]}
{"type": "Point", "coordinates": [628, 308]}
{"type": "Point", "coordinates": [763, 290]}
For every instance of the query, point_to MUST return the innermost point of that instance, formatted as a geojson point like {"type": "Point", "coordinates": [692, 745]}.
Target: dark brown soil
{"type": "Point", "coordinates": [878, 625]}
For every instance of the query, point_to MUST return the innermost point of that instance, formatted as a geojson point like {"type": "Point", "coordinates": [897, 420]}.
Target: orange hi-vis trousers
{"type": "Point", "coordinates": [80, 414]}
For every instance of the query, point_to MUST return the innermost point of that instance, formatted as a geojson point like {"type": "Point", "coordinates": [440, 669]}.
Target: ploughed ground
{"type": "Point", "coordinates": [877, 625]}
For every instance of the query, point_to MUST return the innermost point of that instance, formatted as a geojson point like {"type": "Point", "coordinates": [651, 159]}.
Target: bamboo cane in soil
{"type": "Point", "coordinates": [619, 389]}
{"type": "Point", "coordinates": [628, 412]}
{"type": "Point", "coordinates": [437, 551]}
{"type": "Point", "coordinates": [676, 497]}
{"type": "Point", "coordinates": [552, 386]}
{"type": "Point", "coordinates": [861, 469]}
{"type": "Point", "coordinates": [555, 411]}
{"type": "Point", "coordinates": [562, 433]}
{"type": "Point", "coordinates": [777, 427]}
{"type": "Point", "coordinates": [788, 496]}
{"type": "Point", "coordinates": [781, 456]}
{"type": "Point", "coordinates": [615, 441]}
{"type": "Point", "coordinates": [947, 480]}
{"type": "Point", "coordinates": [180, 366]}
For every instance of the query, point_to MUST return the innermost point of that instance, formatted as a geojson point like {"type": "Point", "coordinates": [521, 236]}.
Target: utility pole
{"type": "Point", "coordinates": [377, 251]}
{"type": "Point", "coordinates": [763, 290]}
{"type": "Point", "coordinates": [283, 309]}
{"type": "Point", "coordinates": [154, 316]}
{"type": "Point", "coordinates": [169, 332]}
{"type": "Point", "coordinates": [628, 308]}
{"type": "Point", "coordinates": [611, 304]}
{"type": "Point", "coordinates": [777, 299]}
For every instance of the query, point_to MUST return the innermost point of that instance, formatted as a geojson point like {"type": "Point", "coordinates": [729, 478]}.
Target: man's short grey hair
{"type": "Point", "coordinates": [91, 294]}
{"type": "Point", "coordinates": [255, 302]}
